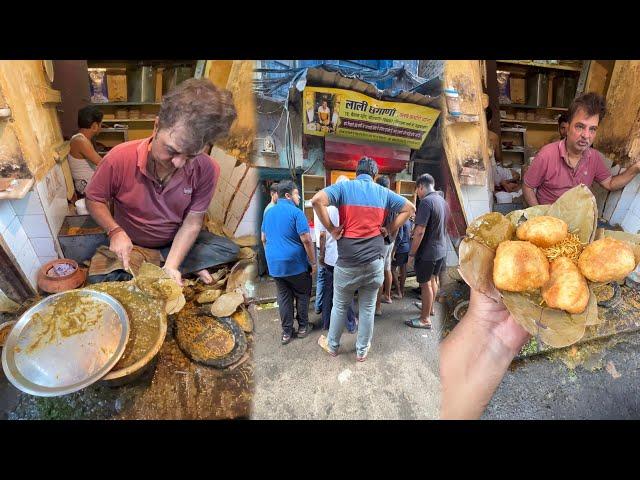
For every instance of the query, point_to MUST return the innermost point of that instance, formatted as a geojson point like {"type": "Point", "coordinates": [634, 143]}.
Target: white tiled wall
{"type": "Point", "coordinates": [476, 200]}
{"type": "Point", "coordinates": [53, 194]}
{"type": "Point", "coordinates": [29, 226]}
{"type": "Point", "coordinates": [247, 225]}
{"type": "Point", "coordinates": [631, 221]}
{"type": "Point", "coordinates": [628, 196]}
{"type": "Point", "coordinates": [612, 199]}
{"type": "Point", "coordinates": [17, 241]}
{"type": "Point", "coordinates": [7, 214]}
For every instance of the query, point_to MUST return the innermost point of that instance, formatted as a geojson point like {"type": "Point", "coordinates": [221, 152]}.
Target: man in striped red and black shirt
{"type": "Point", "coordinates": [363, 206]}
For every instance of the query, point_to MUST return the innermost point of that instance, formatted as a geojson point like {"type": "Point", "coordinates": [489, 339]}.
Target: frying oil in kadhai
{"type": "Point", "coordinates": [203, 336]}
{"type": "Point", "coordinates": [68, 315]}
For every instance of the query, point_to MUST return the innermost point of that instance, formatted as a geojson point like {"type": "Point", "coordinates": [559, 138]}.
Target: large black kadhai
{"type": "Point", "coordinates": [212, 341]}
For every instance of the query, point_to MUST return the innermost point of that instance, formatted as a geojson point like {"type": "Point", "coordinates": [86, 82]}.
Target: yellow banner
{"type": "Point", "coordinates": [354, 115]}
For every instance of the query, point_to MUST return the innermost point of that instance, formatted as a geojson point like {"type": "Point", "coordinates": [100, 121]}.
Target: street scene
{"type": "Point", "coordinates": [319, 239]}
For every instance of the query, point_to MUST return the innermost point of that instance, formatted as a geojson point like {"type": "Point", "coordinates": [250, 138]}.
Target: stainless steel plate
{"type": "Point", "coordinates": [50, 365]}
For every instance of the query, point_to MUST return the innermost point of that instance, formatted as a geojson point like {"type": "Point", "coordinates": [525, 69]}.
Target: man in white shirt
{"type": "Point", "coordinates": [323, 114]}
{"type": "Point", "coordinates": [327, 258]}
{"type": "Point", "coordinates": [83, 158]}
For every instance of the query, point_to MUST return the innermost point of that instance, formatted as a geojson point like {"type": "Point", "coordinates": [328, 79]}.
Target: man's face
{"type": "Point", "coordinates": [562, 129]}
{"type": "Point", "coordinates": [324, 104]}
{"type": "Point", "coordinates": [295, 196]}
{"type": "Point", "coordinates": [96, 127]}
{"type": "Point", "coordinates": [274, 197]}
{"type": "Point", "coordinates": [421, 191]}
{"type": "Point", "coordinates": [582, 131]}
{"type": "Point", "coordinates": [168, 147]}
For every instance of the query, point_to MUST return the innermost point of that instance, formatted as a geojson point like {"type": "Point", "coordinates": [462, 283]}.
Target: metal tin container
{"type": "Point", "coordinates": [141, 84]}
{"type": "Point", "coordinates": [173, 76]}
{"type": "Point", "coordinates": [564, 90]}
{"type": "Point", "coordinates": [537, 90]}
{"type": "Point", "coordinates": [80, 236]}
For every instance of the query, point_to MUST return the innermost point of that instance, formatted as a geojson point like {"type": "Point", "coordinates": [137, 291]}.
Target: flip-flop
{"type": "Point", "coordinates": [324, 345]}
{"type": "Point", "coordinates": [416, 323]}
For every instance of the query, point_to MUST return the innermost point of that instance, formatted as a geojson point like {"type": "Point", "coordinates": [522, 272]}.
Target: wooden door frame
{"type": "Point", "coordinates": [12, 281]}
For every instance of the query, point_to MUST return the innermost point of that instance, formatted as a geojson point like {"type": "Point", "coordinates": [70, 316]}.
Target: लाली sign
{"type": "Point", "coordinates": [354, 115]}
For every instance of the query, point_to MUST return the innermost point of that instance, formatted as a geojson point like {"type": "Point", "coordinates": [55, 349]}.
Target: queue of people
{"type": "Point", "coordinates": [365, 241]}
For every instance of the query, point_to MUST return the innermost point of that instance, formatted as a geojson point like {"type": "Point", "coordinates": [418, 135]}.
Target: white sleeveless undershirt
{"type": "Point", "coordinates": [81, 170]}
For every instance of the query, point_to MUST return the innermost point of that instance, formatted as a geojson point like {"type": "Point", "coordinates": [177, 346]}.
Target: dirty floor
{"type": "Point", "coordinates": [399, 379]}
{"type": "Point", "coordinates": [598, 380]}
{"type": "Point", "coordinates": [176, 388]}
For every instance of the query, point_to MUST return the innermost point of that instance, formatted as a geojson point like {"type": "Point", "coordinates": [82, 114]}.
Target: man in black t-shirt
{"type": "Point", "coordinates": [428, 246]}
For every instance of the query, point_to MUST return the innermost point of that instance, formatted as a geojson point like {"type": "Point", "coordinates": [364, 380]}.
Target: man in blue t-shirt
{"type": "Point", "coordinates": [363, 206]}
{"type": "Point", "coordinates": [290, 257]}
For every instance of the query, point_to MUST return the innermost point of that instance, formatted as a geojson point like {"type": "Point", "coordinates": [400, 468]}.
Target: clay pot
{"type": "Point", "coordinates": [53, 284]}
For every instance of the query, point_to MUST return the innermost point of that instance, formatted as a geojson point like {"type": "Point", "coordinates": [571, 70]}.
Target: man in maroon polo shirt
{"type": "Point", "coordinates": [562, 165]}
{"type": "Point", "coordinates": [161, 186]}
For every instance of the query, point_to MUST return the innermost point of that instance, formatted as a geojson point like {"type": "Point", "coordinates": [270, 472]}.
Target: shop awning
{"type": "Point", "coordinates": [344, 153]}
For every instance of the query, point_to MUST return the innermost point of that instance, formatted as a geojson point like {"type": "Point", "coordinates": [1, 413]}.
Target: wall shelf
{"type": "Point", "coordinates": [311, 184]}
{"type": "Point", "coordinates": [527, 63]}
{"type": "Point", "coordinates": [19, 190]}
{"type": "Point", "coordinates": [535, 122]}
{"type": "Point", "coordinates": [463, 118]}
{"type": "Point", "coordinates": [117, 120]}
{"type": "Point", "coordinates": [519, 105]}
{"type": "Point", "coordinates": [407, 189]}
{"type": "Point", "coordinates": [118, 104]}
{"type": "Point", "coordinates": [112, 130]}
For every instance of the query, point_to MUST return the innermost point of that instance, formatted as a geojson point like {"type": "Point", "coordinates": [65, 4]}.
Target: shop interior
{"type": "Point", "coordinates": [527, 99]}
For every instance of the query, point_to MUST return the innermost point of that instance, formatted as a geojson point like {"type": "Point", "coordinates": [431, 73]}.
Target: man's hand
{"type": "Point", "coordinates": [173, 273]}
{"type": "Point", "coordinates": [313, 268]}
{"type": "Point", "coordinates": [384, 231]}
{"type": "Point", "coordinates": [321, 261]}
{"type": "Point", "coordinates": [337, 232]}
{"type": "Point", "coordinates": [495, 319]}
{"type": "Point", "coordinates": [121, 245]}
{"type": "Point", "coordinates": [475, 356]}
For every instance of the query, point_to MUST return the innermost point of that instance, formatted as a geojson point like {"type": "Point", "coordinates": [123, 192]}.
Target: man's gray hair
{"type": "Point", "coordinates": [203, 110]}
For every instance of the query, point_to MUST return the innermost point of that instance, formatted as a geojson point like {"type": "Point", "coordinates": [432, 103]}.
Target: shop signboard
{"type": "Point", "coordinates": [350, 114]}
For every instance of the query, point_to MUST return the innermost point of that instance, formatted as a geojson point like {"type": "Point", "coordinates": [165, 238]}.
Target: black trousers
{"type": "Point", "coordinates": [298, 288]}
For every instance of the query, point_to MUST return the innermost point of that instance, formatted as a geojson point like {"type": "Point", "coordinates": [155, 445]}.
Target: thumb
{"type": "Point", "coordinates": [125, 261]}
